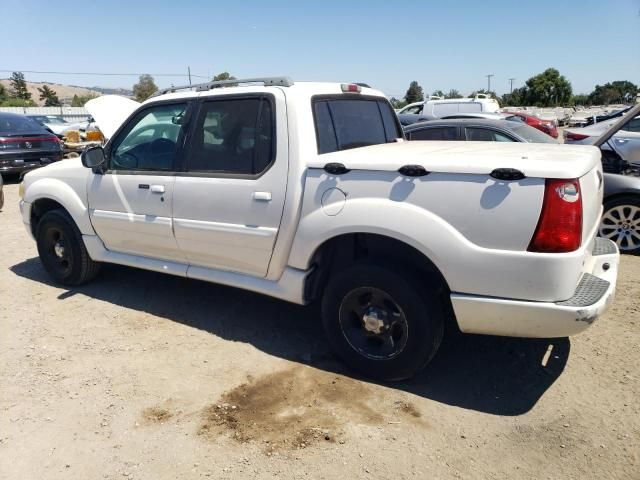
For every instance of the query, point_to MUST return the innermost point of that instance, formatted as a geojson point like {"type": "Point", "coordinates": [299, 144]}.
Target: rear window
{"type": "Point", "coordinates": [12, 125]}
{"type": "Point", "coordinates": [533, 135]}
{"type": "Point", "coordinates": [342, 124]}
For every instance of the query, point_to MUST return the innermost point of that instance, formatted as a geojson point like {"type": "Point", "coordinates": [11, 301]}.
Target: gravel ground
{"type": "Point", "coordinates": [140, 375]}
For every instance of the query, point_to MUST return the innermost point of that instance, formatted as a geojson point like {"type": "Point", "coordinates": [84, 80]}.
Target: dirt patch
{"type": "Point", "coordinates": [298, 407]}
{"type": "Point", "coordinates": [156, 415]}
{"type": "Point", "coordinates": [408, 409]}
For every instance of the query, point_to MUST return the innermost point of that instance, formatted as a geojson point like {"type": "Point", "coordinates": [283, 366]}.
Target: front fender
{"type": "Point", "coordinates": [62, 193]}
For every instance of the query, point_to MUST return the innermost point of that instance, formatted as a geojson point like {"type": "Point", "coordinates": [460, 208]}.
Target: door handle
{"type": "Point", "coordinates": [157, 188]}
{"type": "Point", "coordinates": [262, 196]}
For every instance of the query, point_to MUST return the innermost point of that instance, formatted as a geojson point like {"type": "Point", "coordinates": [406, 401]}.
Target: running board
{"type": "Point", "coordinates": [289, 287]}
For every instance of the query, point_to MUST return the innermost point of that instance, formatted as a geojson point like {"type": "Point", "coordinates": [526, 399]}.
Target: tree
{"type": "Point", "coordinates": [3, 94]}
{"type": "Point", "coordinates": [144, 88]}
{"type": "Point", "coordinates": [438, 93]}
{"type": "Point", "coordinates": [17, 102]}
{"type": "Point", "coordinates": [414, 93]}
{"type": "Point", "coordinates": [482, 91]}
{"type": "Point", "coordinates": [19, 86]}
{"type": "Point", "coordinates": [397, 104]}
{"type": "Point", "coordinates": [580, 99]}
{"type": "Point", "coordinates": [223, 76]}
{"type": "Point", "coordinates": [80, 100]}
{"type": "Point", "coordinates": [453, 93]}
{"type": "Point", "coordinates": [620, 91]}
{"type": "Point", "coordinates": [517, 98]}
{"type": "Point", "coordinates": [548, 88]}
{"type": "Point", "coordinates": [49, 96]}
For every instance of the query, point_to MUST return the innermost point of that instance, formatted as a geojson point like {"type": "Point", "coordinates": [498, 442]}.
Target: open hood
{"type": "Point", "coordinates": [110, 111]}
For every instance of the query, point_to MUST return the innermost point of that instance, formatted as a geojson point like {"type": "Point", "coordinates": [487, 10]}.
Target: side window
{"type": "Point", "coordinates": [415, 109]}
{"type": "Point", "coordinates": [633, 125]}
{"type": "Point", "coordinates": [435, 133]}
{"type": "Point", "coordinates": [151, 140]}
{"type": "Point", "coordinates": [233, 136]}
{"type": "Point", "coordinates": [485, 135]}
{"type": "Point", "coordinates": [344, 124]}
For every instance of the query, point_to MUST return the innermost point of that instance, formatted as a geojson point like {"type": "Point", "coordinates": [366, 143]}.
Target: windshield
{"type": "Point", "coordinates": [532, 135]}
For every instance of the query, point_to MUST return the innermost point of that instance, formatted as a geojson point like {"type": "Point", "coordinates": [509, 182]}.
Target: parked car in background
{"type": "Point", "coordinates": [25, 144]}
{"type": "Point", "coordinates": [442, 108]}
{"type": "Point", "coordinates": [546, 126]}
{"type": "Point", "coordinates": [59, 125]}
{"type": "Point", "coordinates": [476, 129]}
{"type": "Point", "coordinates": [621, 151]}
{"type": "Point", "coordinates": [620, 221]}
{"type": "Point", "coordinates": [607, 116]}
{"type": "Point", "coordinates": [411, 118]}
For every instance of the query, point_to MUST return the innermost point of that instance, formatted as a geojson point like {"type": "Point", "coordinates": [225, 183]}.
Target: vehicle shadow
{"type": "Point", "coordinates": [501, 376]}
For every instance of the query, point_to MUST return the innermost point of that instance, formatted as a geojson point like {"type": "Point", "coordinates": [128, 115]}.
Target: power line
{"type": "Point", "coordinates": [106, 74]}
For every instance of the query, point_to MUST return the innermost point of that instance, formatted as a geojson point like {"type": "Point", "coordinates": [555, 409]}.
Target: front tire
{"type": "Point", "coordinates": [621, 223]}
{"type": "Point", "coordinates": [382, 323]}
{"type": "Point", "coordinates": [62, 251]}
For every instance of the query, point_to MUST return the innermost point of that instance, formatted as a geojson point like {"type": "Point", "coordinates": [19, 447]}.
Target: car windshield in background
{"type": "Point", "coordinates": [45, 119]}
{"type": "Point", "coordinates": [15, 125]}
{"type": "Point", "coordinates": [343, 124]}
{"type": "Point", "coordinates": [532, 135]}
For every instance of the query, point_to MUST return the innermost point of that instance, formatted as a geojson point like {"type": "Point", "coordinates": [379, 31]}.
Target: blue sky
{"type": "Point", "coordinates": [443, 45]}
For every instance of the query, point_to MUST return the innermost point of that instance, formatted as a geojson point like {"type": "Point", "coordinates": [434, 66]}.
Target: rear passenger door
{"type": "Point", "coordinates": [229, 196]}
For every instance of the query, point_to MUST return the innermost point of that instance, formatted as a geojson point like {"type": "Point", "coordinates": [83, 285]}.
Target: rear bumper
{"type": "Point", "coordinates": [521, 318]}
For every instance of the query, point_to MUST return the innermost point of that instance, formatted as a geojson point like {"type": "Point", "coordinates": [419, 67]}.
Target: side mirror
{"type": "Point", "coordinates": [93, 157]}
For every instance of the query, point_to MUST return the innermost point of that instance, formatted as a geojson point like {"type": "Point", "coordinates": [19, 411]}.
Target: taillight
{"type": "Point", "coordinates": [559, 229]}
{"type": "Point", "coordinates": [575, 136]}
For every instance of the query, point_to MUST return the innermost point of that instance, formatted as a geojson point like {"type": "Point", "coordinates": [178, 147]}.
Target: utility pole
{"type": "Point", "coordinates": [189, 72]}
{"type": "Point", "coordinates": [489, 81]}
{"type": "Point", "coordinates": [511, 85]}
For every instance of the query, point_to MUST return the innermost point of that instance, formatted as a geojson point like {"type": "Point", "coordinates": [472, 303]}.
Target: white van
{"type": "Point", "coordinates": [442, 108]}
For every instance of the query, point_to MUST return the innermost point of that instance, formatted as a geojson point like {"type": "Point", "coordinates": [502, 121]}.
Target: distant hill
{"type": "Point", "coordinates": [66, 92]}
{"type": "Point", "coordinates": [113, 91]}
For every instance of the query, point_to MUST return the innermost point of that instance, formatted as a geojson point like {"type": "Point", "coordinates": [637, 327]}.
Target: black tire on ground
{"type": "Point", "coordinates": [621, 223]}
{"type": "Point", "coordinates": [62, 251]}
{"type": "Point", "coordinates": [382, 321]}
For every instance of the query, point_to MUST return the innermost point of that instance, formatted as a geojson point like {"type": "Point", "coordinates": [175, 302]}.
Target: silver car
{"type": "Point", "coordinates": [625, 142]}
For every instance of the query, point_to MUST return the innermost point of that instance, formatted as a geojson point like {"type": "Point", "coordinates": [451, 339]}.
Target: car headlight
{"type": "Point", "coordinates": [21, 190]}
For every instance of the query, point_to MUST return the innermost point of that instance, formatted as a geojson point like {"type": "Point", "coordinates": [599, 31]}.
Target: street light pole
{"type": "Point", "coordinates": [511, 85]}
{"type": "Point", "coordinates": [489, 81]}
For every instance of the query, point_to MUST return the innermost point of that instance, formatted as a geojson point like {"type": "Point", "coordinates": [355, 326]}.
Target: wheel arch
{"type": "Point", "coordinates": [46, 195]}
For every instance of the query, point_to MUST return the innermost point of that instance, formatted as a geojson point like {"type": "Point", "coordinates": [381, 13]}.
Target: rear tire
{"type": "Point", "coordinates": [621, 223]}
{"type": "Point", "coordinates": [382, 323]}
{"type": "Point", "coordinates": [62, 251]}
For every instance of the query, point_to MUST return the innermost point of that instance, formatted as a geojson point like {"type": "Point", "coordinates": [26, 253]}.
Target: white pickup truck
{"type": "Point", "coordinates": [308, 191]}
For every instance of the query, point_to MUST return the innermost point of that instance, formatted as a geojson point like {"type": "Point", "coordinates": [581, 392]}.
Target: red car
{"type": "Point", "coordinates": [545, 126]}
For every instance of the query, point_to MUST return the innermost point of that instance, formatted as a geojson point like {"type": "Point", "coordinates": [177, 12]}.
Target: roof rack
{"type": "Point", "coordinates": [203, 87]}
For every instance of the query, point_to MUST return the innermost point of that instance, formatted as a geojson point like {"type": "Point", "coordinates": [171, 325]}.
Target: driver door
{"type": "Point", "coordinates": [130, 205]}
